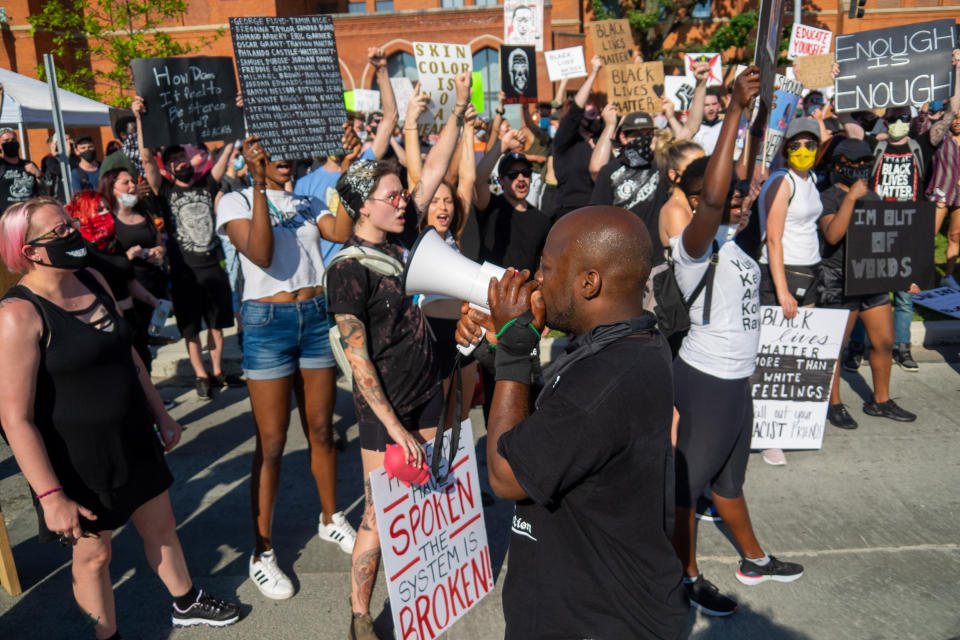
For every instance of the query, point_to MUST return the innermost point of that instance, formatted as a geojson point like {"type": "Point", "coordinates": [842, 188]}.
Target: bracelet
{"type": "Point", "coordinates": [499, 112]}
{"type": "Point", "coordinates": [555, 104]}
{"type": "Point", "coordinates": [47, 493]}
{"type": "Point", "coordinates": [411, 129]}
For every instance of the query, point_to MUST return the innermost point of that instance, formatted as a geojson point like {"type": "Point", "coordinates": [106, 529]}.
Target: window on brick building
{"type": "Point", "coordinates": [400, 65]}
{"type": "Point", "coordinates": [486, 3]}
{"type": "Point", "coordinates": [356, 7]}
{"type": "Point", "coordinates": [328, 7]}
{"type": "Point", "coordinates": [384, 5]}
{"type": "Point", "coordinates": [701, 10]}
{"type": "Point", "coordinates": [451, 4]}
{"type": "Point", "coordinates": [487, 62]}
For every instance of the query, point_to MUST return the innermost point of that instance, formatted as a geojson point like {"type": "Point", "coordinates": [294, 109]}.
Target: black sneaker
{"type": "Point", "coordinates": [888, 409]}
{"type": "Point", "coordinates": [206, 610]}
{"type": "Point", "coordinates": [229, 380]}
{"type": "Point", "coordinates": [705, 596]}
{"type": "Point", "coordinates": [706, 511]}
{"type": "Point", "coordinates": [203, 389]}
{"type": "Point", "coordinates": [901, 355]}
{"type": "Point", "coordinates": [855, 352]}
{"type": "Point", "coordinates": [752, 574]}
{"type": "Point", "coordinates": [838, 416]}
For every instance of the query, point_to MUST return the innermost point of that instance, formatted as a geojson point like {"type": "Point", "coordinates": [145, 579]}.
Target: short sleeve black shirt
{"type": "Point", "coordinates": [511, 238]}
{"type": "Point", "coordinates": [191, 221]}
{"type": "Point", "coordinates": [590, 554]}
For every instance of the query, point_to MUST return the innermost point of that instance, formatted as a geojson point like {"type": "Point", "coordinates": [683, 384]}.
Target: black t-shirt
{"type": "Point", "coordinates": [511, 238]}
{"type": "Point", "coordinates": [897, 176]}
{"type": "Point", "coordinates": [16, 183]}
{"type": "Point", "coordinates": [571, 162]}
{"type": "Point", "coordinates": [191, 222]}
{"type": "Point", "coordinates": [641, 190]}
{"type": "Point", "coordinates": [832, 254]}
{"type": "Point", "coordinates": [590, 554]}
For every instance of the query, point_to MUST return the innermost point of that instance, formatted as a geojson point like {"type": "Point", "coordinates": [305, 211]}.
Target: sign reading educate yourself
{"type": "Point", "coordinates": [518, 74]}
{"type": "Point", "coordinates": [188, 100]}
{"type": "Point", "coordinates": [942, 300]}
{"type": "Point", "coordinates": [292, 91]}
{"type": "Point", "coordinates": [434, 543]}
{"type": "Point", "coordinates": [438, 65]}
{"type": "Point", "coordinates": [894, 67]}
{"type": "Point", "coordinates": [612, 40]}
{"type": "Point", "coordinates": [795, 367]}
{"type": "Point", "coordinates": [808, 41]}
{"type": "Point", "coordinates": [635, 87]}
{"type": "Point", "coordinates": [889, 246]}
{"type": "Point", "coordinates": [565, 63]}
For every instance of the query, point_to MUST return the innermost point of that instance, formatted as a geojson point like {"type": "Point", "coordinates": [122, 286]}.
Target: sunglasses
{"type": "Point", "coordinates": [394, 199]}
{"type": "Point", "coordinates": [796, 145]}
{"type": "Point", "coordinates": [904, 117]}
{"type": "Point", "coordinates": [62, 230]}
{"type": "Point", "coordinates": [514, 173]}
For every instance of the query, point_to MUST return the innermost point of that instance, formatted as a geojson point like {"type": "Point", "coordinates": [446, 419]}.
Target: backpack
{"type": "Point", "coordinates": [665, 299]}
{"type": "Point", "coordinates": [373, 260]}
{"type": "Point", "coordinates": [914, 147]}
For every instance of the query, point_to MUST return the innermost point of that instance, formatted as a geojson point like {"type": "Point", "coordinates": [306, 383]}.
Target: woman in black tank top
{"type": "Point", "coordinates": [82, 417]}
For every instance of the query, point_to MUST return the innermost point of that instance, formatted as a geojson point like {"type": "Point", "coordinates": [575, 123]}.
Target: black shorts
{"type": "Point", "coordinates": [201, 294]}
{"type": "Point", "coordinates": [373, 435]}
{"type": "Point", "coordinates": [831, 293]}
{"type": "Point", "coordinates": [713, 437]}
{"type": "Point", "coordinates": [803, 282]}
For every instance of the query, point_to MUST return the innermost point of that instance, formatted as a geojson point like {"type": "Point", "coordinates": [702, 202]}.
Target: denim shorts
{"type": "Point", "coordinates": [279, 338]}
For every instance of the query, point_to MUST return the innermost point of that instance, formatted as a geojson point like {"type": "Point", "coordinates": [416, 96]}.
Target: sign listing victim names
{"type": "Point", "coordinates": [290, 79]}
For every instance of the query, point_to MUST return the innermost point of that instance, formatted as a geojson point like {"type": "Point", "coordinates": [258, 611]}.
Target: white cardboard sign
{"type": "Point", "coordinates": [942, 299]}
{"type": "Point", "coordinates": [366, 100]}
{"type": "Point", "coordinates": [402, 90]}
{"type": "Point", "coordinates": [523, 23]}
{"type": "Point", "coordinates": [716, 66]}
{"type": "Point", "coordinates": [795, 368]}
{"type": "Point", "coordinates": [808, 41]}
{"type": "Point", "coordinates": [565, 63]}
{"type": "Point", "coordinates": [434, 544]}
{"type": "Point", "coordinates": [680, 91]}
{"type": "Point", "coordinates": [438, 65]}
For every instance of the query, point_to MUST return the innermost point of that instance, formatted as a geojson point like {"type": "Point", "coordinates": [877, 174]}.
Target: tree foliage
{"type": "Point", "coordinates": [95, 40]}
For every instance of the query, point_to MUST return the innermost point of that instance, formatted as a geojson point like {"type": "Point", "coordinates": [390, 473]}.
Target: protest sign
{"type": "Point", "coordinates": [518, 74]}
{"type": "Point", "coordinates": [402, 90]}
{"type": "Point", "coordinates": [768, 46]}
{"type": "Point", "coordinates": [635, 87]}
{"type": "Point", "coordinates": [715, 60]}
{"type": "Point", "coordinates": [894, 67]}
{"type": "Point", "coordinates": [434, 544]}
{"type": "Point", "coordinates": [808, 41]}
{"type": "Point", "coordinates": [523, 22]}
{"type": "Point", "coordinates": [795, 368]}
{"type": "Point", "coordinates": [889, 245]}
{"type": "Point", "coordinates": [680, 91]}
{"type": "Point", "coordinates": [188, 100]}
{"type": "Point", "coordinates": [366, 100]}
{"type": "Point", "coordinates": [612, 40]}
{"type": "Point", "coordinates": [942, 300]}
{"type": "Point", "coordinates": [292, 90]}
{"type": "Point", "coordinates": [786, 96]}
{"type": "Point", "coordinates": [814, 72]}
{"type": "Point", "coordinates": [565, 63]}
{"type": "Point", "coordinates": [438, 65]}
{"type": "Point", "coordinates": [476, 91]}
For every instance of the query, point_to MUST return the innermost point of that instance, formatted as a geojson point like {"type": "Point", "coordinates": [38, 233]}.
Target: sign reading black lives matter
{"type": "Point", "coordinates": [889, 245]}
{"type": "Point", "coordinates": [518, 74]}
{"type": "Point", "coordinates": [290, 78]}
{"type": "Point", "coordinates": [188, 100]}
{"type": "Point", "coordinates": [894, 67]}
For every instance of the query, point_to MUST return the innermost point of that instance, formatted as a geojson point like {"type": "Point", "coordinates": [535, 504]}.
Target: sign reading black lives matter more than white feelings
{"type": "Point", "coordinates": [434, 543]}
{"type": "Point", "coordinates": [795, 367]}
{"type": "Point", "coordinates": [290, 79]}
{"type": "Point", "coordinates": [942, 300]}
{"type": "Point", "coordinates": [518, 74]}
{"type": "Point", "coordinates": [188, 100]}
{"type": "Point", "coordinates": [894, 67]}
{"type": "Point", "coordinates": [889, 246]}
{"type": "Point", "coordinates": [439, 64]}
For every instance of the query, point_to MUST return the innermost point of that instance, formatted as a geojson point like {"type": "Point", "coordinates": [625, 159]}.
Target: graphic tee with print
{"type": "Point", "coordinates": [191, 222]}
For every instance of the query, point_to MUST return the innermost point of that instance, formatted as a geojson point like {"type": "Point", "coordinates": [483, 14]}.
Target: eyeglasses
{"type": "Point", "coordinates": [903, 117]}
{"type": "Point", "coordinates": [512, 175]}
{"type": "Point", "coordinates": [394, 199]}
{"type": "Point", "coordinates": [62, 230]}
{"type": "Point", "coordinates": [796, 145]}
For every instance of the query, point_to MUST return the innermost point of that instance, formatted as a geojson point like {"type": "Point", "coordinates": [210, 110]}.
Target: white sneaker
{"type": "Point", "coordinates": [272, 582]}
{"type": "Point", "coordinates": [339, 531]}
{"type": "Point", "coordinates": [949, 281]}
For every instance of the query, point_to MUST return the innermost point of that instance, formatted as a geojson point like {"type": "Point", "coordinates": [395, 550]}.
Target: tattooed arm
{"type": "Point", "coordinates": [353, 337]}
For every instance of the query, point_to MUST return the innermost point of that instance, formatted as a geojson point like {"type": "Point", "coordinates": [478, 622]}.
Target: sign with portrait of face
{"type": "Point", "coordinates": [523, 23]}
{"type": "Point", "coordinates": [518, 74]}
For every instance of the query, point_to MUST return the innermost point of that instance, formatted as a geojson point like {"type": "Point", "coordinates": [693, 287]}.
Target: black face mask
{"type": "Point", "coordinates": [595, 127]}
{"type": "Point", "coordinates": [67, 253]}
{"type": "Point", "coordinates": [848, 174]}
{"type": "Point", "coordinates": [183, 174]}
{"type": "Point", "coordinates": [637, 152]}
{"type": "Point", "coordinates": [89, 155]}
{"type": "Point", "coordinates": [11, 148]}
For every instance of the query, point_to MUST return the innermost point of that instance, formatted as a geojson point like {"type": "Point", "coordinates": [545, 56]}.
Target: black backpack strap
{"type": "Point", "coordinates": [706, 282]}
{"type": "Point", "coordinates": [456, 393]}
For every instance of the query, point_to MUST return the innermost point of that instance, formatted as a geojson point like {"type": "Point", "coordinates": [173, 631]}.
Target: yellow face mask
{"type": "Point", "coordinates": [802, 159]}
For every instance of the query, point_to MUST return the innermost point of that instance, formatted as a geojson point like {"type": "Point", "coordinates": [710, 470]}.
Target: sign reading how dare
{"type": "Point", "coordinates": [438, 65]}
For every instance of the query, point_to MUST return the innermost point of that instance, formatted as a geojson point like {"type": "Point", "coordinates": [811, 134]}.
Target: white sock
{"type": "Point", "coordinates": [761, 562]}
{"type": "Point", "coordinates": [689, 580]}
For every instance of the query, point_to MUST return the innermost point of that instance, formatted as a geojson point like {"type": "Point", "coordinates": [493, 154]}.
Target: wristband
{"type": "Point", "coordinates": [499, 112]}
{"type": "Point", "coordinates": [47, 493]}
{"type": "Point", "coordinates": [555, 104]}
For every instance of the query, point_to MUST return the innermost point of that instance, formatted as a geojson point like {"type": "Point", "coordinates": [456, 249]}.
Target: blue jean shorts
{"type": "Point", "coordinates": [279, 338]}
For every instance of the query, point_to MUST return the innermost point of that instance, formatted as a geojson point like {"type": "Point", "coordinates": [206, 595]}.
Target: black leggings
{"type": "Point", "coordinates": [713, 437]}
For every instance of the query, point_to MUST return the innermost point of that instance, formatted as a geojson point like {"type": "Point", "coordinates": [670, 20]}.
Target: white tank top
{"type": "Point", "coordinates": [801, 244]}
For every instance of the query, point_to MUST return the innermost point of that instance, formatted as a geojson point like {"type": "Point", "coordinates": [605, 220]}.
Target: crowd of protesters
{"type": "Point", "coordinates": [232, 236]}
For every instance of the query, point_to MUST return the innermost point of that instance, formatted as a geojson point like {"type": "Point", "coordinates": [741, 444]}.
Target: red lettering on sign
{"type": "Point", "coordinates": [398, 531]}
{"type": "Point", "coordinates": [423, 608]}
{"type": "Point", "coordinates": [446, 607]}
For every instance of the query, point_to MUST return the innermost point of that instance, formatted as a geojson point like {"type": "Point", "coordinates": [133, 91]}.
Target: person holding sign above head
{"type": "Point", "coordinates": [711, 374]}
{"type": "Point", "coordinates": [851, 162]}
{"type": "Point", "coordinates": [199, 285]}
{"type": "Point", "coordinates": [397, 391]}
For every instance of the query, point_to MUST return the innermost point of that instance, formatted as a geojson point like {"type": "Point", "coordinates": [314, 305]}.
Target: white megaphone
{"type": "Point", "coordinates": [445, 278]}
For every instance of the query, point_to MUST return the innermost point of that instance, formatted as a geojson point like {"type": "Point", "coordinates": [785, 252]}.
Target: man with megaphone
{"type": "Point", "coordinates": [587, 457]}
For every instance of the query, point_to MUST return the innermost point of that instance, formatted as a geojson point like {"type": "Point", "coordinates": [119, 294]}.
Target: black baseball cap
{"type": "Point", "coordinates": [510, 159]}
{"type": "Point", "coordinates": [637, 121]}
{"type": "Point", "coordinates": [852, 149]}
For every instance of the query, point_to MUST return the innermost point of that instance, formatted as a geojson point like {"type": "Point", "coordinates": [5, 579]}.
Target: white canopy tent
{"type": "Point", "coordinates": [26, 103]}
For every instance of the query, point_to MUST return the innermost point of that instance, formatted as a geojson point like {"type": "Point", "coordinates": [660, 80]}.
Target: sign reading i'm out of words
{"type": "Point", "coordinates": [434, 544]}
{"type": "Point", "coordinates": [894, 67]}
{"type": "Point", "coordinates": [795, 369]}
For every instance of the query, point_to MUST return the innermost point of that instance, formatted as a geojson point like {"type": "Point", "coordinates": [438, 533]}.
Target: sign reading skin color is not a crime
{"type": "Point", "coordinates": [439, 64]}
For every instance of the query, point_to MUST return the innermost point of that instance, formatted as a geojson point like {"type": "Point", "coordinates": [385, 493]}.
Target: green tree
{"type": "Point", "coordinates": [95, 40]}
{"type": "Point", "coordinates": [651, 20]}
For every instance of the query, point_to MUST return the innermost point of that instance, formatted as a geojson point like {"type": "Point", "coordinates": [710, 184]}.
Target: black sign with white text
{"type": "Point", "coordinates": [518, 74]}
{"type": "Point", "coordinates": [889, 246]}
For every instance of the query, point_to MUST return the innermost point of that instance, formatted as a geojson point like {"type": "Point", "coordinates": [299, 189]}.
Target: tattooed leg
{"type": "Point", "coordinates": [366, 557]}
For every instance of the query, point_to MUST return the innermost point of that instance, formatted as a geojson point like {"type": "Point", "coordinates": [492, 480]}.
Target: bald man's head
{"type": "Point", "coordinates": [595, 259]}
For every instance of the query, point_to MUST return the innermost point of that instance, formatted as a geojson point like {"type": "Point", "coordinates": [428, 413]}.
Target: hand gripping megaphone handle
{"type": "Point", "coordinates": [483, 333]}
